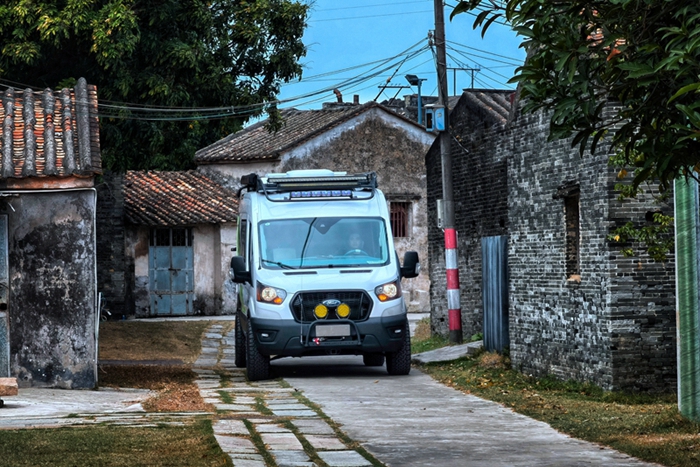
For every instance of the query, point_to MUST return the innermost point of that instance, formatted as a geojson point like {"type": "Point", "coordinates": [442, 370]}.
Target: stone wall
{"type": "Point", "coordinates": [613, 323]}
{"type": "Point", "coordinates": [52, 308]}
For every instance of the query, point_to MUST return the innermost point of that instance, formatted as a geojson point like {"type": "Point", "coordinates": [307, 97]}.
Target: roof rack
{"type": "Point", "coordinates": [301, 185]}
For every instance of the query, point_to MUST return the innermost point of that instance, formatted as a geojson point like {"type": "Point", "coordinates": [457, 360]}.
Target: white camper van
{"type": "Point", "coordinates": [318, 273]}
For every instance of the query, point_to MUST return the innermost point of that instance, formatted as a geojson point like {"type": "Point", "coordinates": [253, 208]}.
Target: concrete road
{"type": "Point", "coordinates": [412, 420]}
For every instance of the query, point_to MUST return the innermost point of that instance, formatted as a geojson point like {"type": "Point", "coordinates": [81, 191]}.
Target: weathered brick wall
{"type": "Point", "coordinates": [616, 327]}
{"type": "Point", "coordinates": [479, 170]}
{"type": "Point", "coordinates": [113, 272]}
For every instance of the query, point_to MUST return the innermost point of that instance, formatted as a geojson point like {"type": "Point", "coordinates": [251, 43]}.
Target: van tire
{"type": "Point", "coordinates": [373, 359]}
{"type": "Point", "coordinates": [399, 362]}
{"type": "Point", "coordinates": [239, 344]}
{"type": "Point", "coordinates": [257, 364]}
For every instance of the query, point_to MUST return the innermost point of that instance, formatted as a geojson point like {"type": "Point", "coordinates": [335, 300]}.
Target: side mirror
{"type": "Point", "coordinates": [239, 274]}
{"type": "Point", "coordinates": [411, 265]}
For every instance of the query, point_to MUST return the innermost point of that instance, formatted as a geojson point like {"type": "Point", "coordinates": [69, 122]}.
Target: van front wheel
{"type": "Point", "coordinates": [257, 364]}
{"type": "Point", "coordinates": [399, 362]}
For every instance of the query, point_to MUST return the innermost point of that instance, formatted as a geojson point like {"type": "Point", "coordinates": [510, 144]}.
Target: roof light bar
{"type": "Point", "coordinates": [299, 185]}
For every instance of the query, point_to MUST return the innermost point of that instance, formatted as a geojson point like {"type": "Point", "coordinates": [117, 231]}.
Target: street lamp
{"type": "Point", "coordinates": [413, 80]}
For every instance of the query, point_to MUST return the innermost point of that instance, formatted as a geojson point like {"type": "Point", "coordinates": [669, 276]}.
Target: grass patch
{"type": "Point", "coordinates": [225, 397]}
{"type": "Point", "coordinates": [158, 340]}
{"type": "Point", "coordinates": [261, 407]}
{"type": "Point", "coordinates": [192, 445]}
{"type": "Point", "coordinates": [431, 343]}
{"type": "Point", "coordinates": [642, 425]}
{"type": "Point", "coordinates": [144, 376]}
{"type": "Point", "coordinates": [423, 339]}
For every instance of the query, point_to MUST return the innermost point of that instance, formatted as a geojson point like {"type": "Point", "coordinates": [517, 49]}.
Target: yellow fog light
{"type": "Point", "coordinates": [321, 311]}
{"type": "Point", "coordinates": [343, 310]}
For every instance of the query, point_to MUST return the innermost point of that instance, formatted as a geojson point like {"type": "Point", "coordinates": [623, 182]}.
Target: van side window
{"type": "Point", "coordinates": [243, 246]}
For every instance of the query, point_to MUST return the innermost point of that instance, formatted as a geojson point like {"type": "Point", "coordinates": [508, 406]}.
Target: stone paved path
{"type": "Point", "coordinates": [264, 423]}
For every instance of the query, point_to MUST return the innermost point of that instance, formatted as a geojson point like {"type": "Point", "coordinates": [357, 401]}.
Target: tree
{"type": "Point", "coordinates": [155, 62]}
{"type": "Point", "coordinates": [643, 55]}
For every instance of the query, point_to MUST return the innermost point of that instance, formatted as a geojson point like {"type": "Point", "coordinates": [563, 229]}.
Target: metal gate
{"type": "Point", "coordinates": [171, 271]}
{"type": "Point", "coordinates": [4, 302]}
{"type": "Point", "coordinates": [494, 277]}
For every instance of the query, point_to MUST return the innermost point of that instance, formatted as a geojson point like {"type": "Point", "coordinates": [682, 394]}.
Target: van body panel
{"type": "Point", "coordinates": [322, 273]}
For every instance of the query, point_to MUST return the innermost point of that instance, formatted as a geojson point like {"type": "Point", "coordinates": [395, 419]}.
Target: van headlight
{"type": "Point", "coordinates": [268, 294]}
{"type": "Point", "coordinates": [388, 291]}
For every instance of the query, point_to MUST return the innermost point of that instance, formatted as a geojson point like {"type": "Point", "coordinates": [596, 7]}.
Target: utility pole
{"type": "Point", "coordinates": [454, 76]}
{"type": "Point", "coordinates": [451, 251]}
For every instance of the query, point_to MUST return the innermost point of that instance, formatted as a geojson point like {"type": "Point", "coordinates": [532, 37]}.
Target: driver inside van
{"type": "Point", "coordinates": [355, 244]}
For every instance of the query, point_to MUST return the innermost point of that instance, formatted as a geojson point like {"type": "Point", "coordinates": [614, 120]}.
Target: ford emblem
{"type": "Point", "coordinates": [332, 303]}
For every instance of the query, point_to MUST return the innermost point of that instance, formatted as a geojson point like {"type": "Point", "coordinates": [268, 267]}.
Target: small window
{"type": "Point", "coordinates": [573, 237]}
{"type": "Point", "coordinates": [171, 237]}
{"type": "Point", "coordinates": [243, 240]}
{"type": "Point", "coordinates": [399, 212]}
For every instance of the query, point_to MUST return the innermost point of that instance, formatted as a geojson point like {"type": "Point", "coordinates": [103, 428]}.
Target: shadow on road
{"type": "Point", "coordinates": [325, 367]}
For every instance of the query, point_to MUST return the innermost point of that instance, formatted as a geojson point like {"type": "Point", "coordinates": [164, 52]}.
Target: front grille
{"type": "Point", "coordinates": [304, 303]}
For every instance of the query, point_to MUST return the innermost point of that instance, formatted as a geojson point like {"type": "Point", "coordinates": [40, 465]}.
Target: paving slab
{"type": "Point", "coordinates": [52, 403]}
{"type": "Point", "coordinates": [325, 442]}
{"type": "Point", "coordinates": [448, 353]}
{"type": "Point", "coordinates": [270, 428]}
{"type": "Point", "coordinates": [347, 459]}
{"type": "Point", "coordinates": [235, 444]}
{"type": "Point", "coordinates": [281, 441]}
{"type": "Point", "coordinates": [295, 413]}
{"type": "Point", "coordinates": [242, 462]}
{"type": "Point", "coordinates": [313, 426]}
{"type": "Point", "coordinates": [230, 427]}
{"type": "Point", "coordinates": [291, 458]}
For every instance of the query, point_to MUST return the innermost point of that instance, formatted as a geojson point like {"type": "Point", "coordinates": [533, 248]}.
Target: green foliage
{"type": "Point", "coordinates": [172, 54]}
{"type": "Point", "coordinates": [643, 55]}
{"type": "Point", "coordinates": [655, 234]}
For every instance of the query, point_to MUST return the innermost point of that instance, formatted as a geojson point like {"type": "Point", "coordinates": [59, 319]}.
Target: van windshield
{"type": "Point", "coordinates": [323, 242]}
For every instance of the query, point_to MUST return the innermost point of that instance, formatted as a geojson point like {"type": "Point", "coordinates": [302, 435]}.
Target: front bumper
{"type": "Point", "coordinates": [288, 338]}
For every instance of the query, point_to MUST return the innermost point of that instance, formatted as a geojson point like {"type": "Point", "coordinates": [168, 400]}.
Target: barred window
{"type": "Point", "coordinates": [399, 212]}
{"type": "Point", "coordinates": [171, 237]}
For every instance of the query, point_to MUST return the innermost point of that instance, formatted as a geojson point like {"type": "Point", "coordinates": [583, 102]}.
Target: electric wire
{"type": "Point", "coordinates": [378, 69]}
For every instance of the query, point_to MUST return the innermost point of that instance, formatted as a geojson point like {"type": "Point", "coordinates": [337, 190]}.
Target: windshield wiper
{"type": "Point", "coordinates": [277, 263]}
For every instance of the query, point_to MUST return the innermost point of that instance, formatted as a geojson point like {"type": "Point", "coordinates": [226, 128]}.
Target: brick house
{"type": "Point", "coordinates": [342, 137]}
{"type": "Point", "coordinates": [49, 157]}
{"type": "Point", "coordinates": [576, 307]}
{"type": "Point", "coordinates": [164, 239]}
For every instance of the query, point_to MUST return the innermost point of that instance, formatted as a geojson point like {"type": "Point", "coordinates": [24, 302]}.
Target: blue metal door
{"type": "Point", "coordinates": [494, 289]}
{"type": "Point", "coordinates": [171, 272]}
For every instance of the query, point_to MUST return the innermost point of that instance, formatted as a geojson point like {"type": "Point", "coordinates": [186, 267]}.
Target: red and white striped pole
{"type": "Point", "coordinates": [454, 310]}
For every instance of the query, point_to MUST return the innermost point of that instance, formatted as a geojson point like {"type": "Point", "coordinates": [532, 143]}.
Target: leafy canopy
{"type": "Point", "coordinates": [163, 54]}
{"type": "Point", "coordinates": [643, 55]}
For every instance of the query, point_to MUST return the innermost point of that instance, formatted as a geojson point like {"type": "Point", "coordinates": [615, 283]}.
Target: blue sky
{"type": "Point", "coordinates": [356, 45]}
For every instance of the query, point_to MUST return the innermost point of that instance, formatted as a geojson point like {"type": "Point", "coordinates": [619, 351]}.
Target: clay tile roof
{"type": "Point", "coordinates": [496, 103]}
{"type": "Point", "coordinates": [177, 198]}
{"type": "Point", "coordinates": [256, 143]}
{"type": "Point", "coordinates": [50, 134]}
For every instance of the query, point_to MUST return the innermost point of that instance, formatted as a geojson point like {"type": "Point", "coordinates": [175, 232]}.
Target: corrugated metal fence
{"type": "Point", "coordinates": [494, 274]}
